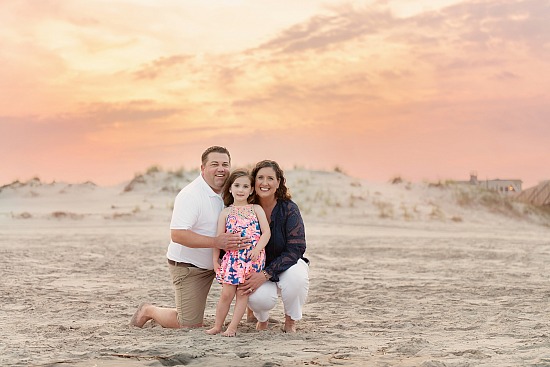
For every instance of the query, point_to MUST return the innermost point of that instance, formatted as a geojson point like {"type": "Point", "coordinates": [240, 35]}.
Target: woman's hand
{"type": "Point", "coordinates": [253, 281]}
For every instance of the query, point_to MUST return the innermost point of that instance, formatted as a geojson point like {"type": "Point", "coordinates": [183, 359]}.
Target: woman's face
{"type": "Point", "coordinates": [266, 183]}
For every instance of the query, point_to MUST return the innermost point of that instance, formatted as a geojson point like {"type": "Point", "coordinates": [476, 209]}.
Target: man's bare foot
{"type": "Point", "coordinates": [214, 331]}
{"type": "Point", "coordinates": [230, 332]}
{"type": "Point", "coordinates": [140, 318]}
{"type": "Point", "coordinates": [290, 325]}
{"type": "Point", "coordinates": [262, 325]}
{"type": "Point", "coordinates": [250, 316]}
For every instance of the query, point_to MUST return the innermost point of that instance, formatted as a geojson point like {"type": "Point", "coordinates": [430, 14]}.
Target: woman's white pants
{"type": "Point", "coordinates": [292, 286]}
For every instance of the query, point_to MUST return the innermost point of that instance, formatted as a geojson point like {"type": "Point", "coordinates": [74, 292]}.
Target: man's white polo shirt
{"type": "Point", "coordinates": [196, 208]}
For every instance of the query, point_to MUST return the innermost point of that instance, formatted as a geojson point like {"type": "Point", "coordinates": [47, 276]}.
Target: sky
{"type": "Point", "coordinates": [425, 90]}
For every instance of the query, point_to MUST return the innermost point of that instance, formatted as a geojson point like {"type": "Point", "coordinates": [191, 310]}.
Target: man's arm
{"type": "Point", "coordinates": [191, 239]}
{"type": "Point", "coordinates": [224, 241]}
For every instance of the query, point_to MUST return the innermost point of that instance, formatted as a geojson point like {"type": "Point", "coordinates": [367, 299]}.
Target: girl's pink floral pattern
{"type": "Point", "coordinates": [236, 265]}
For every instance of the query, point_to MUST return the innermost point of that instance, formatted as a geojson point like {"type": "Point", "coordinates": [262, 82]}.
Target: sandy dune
{"type": "Point", "coordinates": [410, 274]}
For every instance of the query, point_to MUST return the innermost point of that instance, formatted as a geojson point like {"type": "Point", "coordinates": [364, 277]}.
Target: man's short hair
{"type": "Point", "coordinates": [214, 149]}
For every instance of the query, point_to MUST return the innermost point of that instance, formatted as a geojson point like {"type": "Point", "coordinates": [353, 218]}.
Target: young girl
{"type": "Point", "coordinates": [248, 220]}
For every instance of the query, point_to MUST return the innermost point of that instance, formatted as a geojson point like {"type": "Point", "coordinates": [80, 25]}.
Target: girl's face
{"type": "Point", "coordinates": [241, 189]}
{"type": "Point", "coordinates": [266, 182]}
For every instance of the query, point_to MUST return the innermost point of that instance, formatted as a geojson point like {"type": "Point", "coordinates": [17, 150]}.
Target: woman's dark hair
{"type": "Point", "coordinates": [282, 192]}
{"type": "Point", "coordinates": [239, 172]}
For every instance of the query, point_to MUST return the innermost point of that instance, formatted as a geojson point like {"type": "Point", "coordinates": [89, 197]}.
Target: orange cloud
{"type": "Point", "coordinates": [431, 94]}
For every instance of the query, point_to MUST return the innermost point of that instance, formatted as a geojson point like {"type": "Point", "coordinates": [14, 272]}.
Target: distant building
{"type": "Point", "coordinates": [502, 186]}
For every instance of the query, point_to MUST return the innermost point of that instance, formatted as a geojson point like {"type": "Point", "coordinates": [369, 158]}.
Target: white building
{"type": "Point", "coordinates": [502, 186]}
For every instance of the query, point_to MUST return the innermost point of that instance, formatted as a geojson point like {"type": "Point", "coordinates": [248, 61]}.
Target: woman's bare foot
{"type": "Point", "coordinates": [290, 325]}
{"type": "Point", "coordinates": [262, 325]}
{"type": "Point", "coordinates": [230, 332]}
{"type": "Point", "coordinates": [214, 331]}
{"type": "Point", "coordinates": [140, 317]}
{"type": "Point", "coordinates": [250, 316]}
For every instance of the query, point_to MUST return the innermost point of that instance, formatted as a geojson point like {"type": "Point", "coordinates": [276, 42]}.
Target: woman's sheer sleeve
{"type": "Point", "coordinates": [295, 246]}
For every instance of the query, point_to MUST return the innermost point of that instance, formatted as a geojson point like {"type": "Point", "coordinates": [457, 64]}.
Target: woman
{"type": "Point", "coordinates": [287, 271]}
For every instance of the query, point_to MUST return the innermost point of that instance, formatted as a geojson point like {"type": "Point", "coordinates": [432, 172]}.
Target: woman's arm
{"type": "Point", "coordinates": [295, 245]}
{"type": "Point", "coordinates": [294, 248]}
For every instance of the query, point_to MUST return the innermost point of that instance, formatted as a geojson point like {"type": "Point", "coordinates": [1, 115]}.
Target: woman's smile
{"type": "Point", "coordinates": [266, 182]}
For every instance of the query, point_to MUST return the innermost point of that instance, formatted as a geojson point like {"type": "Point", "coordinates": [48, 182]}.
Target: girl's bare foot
{"type": "Point", "coordinates": [262, 325]}
{"type": "Point", "coordinates": [290, 325]}
{"type": "Point", "coordinates": [140, 318]}
{"type": "Point", "coordinates": [214, 331]}
{"type": "Point", "coordinates": [230, 332]}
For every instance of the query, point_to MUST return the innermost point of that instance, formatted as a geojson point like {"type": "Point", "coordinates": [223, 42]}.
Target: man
{"type": "Point", "coordinates": [193, 235]}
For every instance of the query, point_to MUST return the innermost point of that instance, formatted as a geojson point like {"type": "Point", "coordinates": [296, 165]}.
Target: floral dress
{"type": "Point", "coordinates": [236, 264]}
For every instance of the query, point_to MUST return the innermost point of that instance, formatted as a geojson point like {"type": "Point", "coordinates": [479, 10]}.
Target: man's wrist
{"type": "Point", "coordinates": [266, 274]}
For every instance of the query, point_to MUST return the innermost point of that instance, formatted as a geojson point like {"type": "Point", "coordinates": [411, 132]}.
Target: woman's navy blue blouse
{"type": "Point", "coordinates": [287, 243]}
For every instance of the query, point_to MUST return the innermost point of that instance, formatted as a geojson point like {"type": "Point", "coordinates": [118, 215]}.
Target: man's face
{"type": "Point", "coordinates": [216, 170]}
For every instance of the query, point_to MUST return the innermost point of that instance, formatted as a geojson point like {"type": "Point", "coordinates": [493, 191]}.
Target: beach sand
{"type": "Point", "coordinates": [401, 275]}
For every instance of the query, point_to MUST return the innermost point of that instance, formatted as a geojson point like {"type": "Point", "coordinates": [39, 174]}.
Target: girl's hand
{"type": "Point", "coordinates": [216, 266]}
{"type": "Point", "coordinates": [254, 254]}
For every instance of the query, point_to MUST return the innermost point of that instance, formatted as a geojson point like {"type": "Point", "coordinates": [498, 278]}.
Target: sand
{"type": "Point", "coordinates": [411, 274]}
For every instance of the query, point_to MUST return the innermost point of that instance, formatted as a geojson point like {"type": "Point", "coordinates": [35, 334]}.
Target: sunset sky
{"type": "Point", "coordinates": [101, 90]}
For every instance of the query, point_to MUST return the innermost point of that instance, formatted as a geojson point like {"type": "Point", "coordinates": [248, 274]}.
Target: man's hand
{"type": "Point", "coordinates": [231, 241]}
